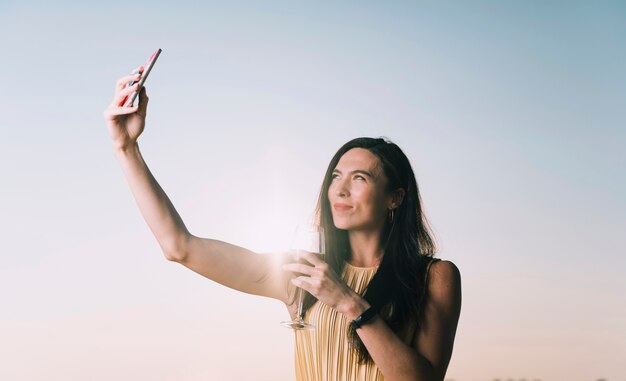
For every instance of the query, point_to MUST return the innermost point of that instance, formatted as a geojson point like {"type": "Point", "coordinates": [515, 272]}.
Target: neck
{"type": "Point", "coordinates": [365, 247]}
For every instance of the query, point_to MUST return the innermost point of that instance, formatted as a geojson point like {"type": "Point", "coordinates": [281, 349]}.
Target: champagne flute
{"type": "Point", "coordinates": [307, 238]}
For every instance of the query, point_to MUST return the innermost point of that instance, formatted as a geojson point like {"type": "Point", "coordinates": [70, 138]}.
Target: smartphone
{"type": "Point", "coordinates": [128, 102]}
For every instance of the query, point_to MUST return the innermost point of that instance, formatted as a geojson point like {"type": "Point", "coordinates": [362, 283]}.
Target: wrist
{"type": "Point", "coordinates": [125, 150]}
{"type": "Point", "coordinates": [354, 307]}
{"type": "Point", "coordinates": [364, 318]}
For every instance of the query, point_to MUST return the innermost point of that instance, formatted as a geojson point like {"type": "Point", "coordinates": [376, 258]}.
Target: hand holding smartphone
{"type": "Point", "coordinates": [129, 100]}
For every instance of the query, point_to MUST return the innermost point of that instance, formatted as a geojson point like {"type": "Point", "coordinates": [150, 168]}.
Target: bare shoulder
{"type": "Point", "coordinates": [442, 309]}
{"type": "Point", "coordinates": [444, 284]}
{"type": "Point", "coordinates": [443, 272]}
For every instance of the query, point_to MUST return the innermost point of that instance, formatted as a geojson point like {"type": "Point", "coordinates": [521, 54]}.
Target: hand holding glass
{"type": "Point", "coordinates": [307, 238]}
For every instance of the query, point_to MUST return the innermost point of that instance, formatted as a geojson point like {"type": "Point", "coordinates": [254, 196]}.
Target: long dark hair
{"type": "Point", "coordinates": [397, 288]}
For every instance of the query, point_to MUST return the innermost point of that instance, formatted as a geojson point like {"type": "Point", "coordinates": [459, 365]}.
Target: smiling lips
{"type": "Point", "coordinates": [342, 207]}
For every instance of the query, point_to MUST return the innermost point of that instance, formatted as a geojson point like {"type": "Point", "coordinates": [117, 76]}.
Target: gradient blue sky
{"type": "Point", "coordinates": [512, 114]}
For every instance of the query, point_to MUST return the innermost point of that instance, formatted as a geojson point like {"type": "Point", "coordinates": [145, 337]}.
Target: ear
{"type": "Point", "coordinates": [396, 198]}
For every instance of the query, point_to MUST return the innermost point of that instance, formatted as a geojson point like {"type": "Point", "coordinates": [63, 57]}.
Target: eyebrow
{"type": "Point", "coordinates": [361, 171]}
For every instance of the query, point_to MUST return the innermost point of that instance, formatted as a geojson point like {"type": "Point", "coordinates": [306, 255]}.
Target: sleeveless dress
{"type": "Point", "coordinates": [324, 353]}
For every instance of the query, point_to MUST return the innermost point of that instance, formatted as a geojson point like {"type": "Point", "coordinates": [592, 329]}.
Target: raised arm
{"type": "Point", "coordinates": [232, 266]}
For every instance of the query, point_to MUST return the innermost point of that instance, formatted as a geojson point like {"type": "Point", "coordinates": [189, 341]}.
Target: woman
{"type": "Point", "coordinates": [383, 306]}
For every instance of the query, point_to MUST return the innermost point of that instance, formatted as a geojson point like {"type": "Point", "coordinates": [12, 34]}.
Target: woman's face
{"type": "Point", "coordinates": [357, 193]}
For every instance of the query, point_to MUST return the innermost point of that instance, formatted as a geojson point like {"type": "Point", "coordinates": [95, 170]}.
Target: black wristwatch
{"type": "Point", "coordinates": [363, 318]}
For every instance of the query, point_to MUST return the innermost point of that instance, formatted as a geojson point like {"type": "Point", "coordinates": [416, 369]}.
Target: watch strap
{"type": "Point", "coordinates": [363, 318]}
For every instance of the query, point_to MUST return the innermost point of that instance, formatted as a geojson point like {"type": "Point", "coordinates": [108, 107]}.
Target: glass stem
{"type": "Point", "coordinates": [300, 302]}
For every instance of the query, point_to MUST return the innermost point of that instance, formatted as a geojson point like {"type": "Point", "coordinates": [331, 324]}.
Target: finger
{"type": "Point", "coordinates": [300, 268]}
{"type": "Point", "coordinates": [312, 258]}
{"type": "Point", "coordinates": [112, 111]}
{"type": "Point", "coordinates": [121, 96]}
{"type": "Point", "coordinates": [125, 80]}
{"type": "Point", "coordinates": [143, 101]}
{"type": "Point", "coordinates": [304, 283]}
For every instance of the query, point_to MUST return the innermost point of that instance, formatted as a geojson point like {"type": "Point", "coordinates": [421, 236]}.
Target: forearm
{"type": "Point", "coordinates": [395, 359]}
{"type": "Point", "coordinates": [156, 208]}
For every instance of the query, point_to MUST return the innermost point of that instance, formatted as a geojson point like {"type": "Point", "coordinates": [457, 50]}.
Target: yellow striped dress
{"type": "Point", "coordinates": [324, 353]}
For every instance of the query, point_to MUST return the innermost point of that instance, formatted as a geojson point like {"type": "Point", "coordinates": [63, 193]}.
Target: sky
{"type": "Point", "coordinates": [512, 114]}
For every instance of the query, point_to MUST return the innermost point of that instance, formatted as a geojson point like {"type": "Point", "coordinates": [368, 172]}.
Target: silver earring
{"type": "Point", "coordinates": [391, 215]}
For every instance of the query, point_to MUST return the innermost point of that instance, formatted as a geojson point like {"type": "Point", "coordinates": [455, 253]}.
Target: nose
{"type": "Point", "coordinates": [341, 188]}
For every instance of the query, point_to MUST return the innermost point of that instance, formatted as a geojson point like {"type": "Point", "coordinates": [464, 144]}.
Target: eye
{"type": "Point", "coordinates": [334, 176]}
{"type": "Point", "coordinates": [359, 177]}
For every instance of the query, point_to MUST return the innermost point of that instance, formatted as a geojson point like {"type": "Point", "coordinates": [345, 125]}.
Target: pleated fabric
{"type": "Point", "coordinates": [324, 353]}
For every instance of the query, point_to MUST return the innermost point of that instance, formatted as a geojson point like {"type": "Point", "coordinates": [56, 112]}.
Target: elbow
{"type": "Point", "coordinates": [174, 255]}
{"type": "Point", "coordinates": [175, 250]}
